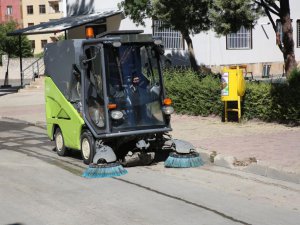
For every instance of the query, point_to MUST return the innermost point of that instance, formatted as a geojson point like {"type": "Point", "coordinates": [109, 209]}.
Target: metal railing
{"type": "Point", "coordinates": [34, 70]}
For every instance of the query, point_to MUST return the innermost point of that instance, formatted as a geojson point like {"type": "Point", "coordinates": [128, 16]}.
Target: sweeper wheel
{"type": "Point", "coordinates": [87, 147]}
{"type": "Point", "coordinates": [59, 143]}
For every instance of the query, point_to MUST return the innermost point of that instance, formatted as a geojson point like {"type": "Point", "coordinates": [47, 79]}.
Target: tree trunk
{"type": "Point", "coordinates": [288, 41]}
{"type": "Point", "coordinates": [191, 52]}
{"type": "Point", "coordinates": [6, 73]}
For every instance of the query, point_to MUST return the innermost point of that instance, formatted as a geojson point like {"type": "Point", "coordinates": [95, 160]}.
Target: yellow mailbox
{"type": "Point", "coordinates": [233, 88]}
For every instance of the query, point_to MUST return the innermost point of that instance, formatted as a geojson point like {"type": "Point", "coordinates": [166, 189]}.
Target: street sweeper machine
{"type": "Point", "coordinates": [105, 96]}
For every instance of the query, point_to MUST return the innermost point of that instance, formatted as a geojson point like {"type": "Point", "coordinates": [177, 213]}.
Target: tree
{"type": "Point", "coordinates": [224, 16]}
{"type": "Point", "coordinates": [189, 17]}
{"type": "Point", "coordinates": [10, 44]}
{"type": "Point", "coordinates": [229, 15]}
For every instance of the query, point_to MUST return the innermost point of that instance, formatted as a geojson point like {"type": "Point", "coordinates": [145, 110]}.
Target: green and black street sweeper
{"type": "Point", "coordinates": [105, 96]}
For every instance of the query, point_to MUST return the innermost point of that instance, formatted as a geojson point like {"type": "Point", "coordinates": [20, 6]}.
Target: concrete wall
{"type": "Point", "coordinates": [14, 67]}
{"type": "Point", "coordinates": [211, 50]}
{"type": "Point", "coordinates": [256, 69]}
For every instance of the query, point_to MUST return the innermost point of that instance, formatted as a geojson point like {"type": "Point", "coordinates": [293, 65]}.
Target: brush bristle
{"type": "Point", "coordinates": [176, 160]}
{"type": "Point", "coordinates": [102, 171]}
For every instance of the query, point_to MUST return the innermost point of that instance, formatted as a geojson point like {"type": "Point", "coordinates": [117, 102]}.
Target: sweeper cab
{"type": "Point", "coordinates": [105, 96]}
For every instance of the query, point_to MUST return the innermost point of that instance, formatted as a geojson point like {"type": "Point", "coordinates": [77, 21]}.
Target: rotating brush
{"type": "Point", "coordinates": [104, 170]}
{"type": "Point", "coordinates": [178, 160]}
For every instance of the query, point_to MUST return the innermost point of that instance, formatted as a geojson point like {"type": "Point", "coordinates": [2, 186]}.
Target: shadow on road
{"type": "Point", "coordinates": [8, 90]}
{"type": "Point", "coordinates": [33, 141]}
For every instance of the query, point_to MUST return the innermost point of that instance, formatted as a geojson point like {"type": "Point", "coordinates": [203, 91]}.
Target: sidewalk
{"type": "Point", "coordinates": [266, 149]}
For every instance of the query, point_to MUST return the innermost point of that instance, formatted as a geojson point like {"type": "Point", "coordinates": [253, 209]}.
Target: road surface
{"type": "Point", "coordinates": [38, 187]}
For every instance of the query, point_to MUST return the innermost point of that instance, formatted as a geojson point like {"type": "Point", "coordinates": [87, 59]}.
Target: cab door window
{"type": "Point", "coordinates": [94, 87]}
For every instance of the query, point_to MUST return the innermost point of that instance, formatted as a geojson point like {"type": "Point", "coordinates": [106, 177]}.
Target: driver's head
{"type": "Point", "coordinates": [135, 80]}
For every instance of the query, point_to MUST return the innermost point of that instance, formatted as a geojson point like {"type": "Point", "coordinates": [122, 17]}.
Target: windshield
{"type": "Point", "coordinates": [134, 84]}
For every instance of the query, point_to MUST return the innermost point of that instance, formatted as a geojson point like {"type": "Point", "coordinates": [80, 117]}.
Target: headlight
{"type": "Point", "coordinates": [116, 114]}
{"type": "Point", "coordinates": [168, 110]}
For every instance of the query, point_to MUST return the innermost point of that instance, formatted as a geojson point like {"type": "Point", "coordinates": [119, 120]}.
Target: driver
{"type": "Point", "coordinates": [138, 95]}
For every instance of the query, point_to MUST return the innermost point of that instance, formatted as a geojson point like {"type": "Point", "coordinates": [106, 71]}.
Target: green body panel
{"type": "Point", "coordinates": [59, 111]}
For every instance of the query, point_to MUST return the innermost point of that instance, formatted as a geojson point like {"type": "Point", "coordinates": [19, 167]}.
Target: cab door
{"type": "Point", "coordinates": [95, 112]}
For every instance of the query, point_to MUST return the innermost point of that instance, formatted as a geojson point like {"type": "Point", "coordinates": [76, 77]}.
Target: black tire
{"type": "Point", "coordinates": [60, 143]}
{"type": "Point", "coordinates": [87, 144]}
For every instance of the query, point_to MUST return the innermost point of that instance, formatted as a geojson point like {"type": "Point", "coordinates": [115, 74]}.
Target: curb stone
{"type": "Point", "coordinates": [225, 161]}
{"type": "Point", "coordinates": [258, 168]}
{"type": "Point", "coordinates": [273, 172]}
{"type": "Point", "coordinates": [204, 155]}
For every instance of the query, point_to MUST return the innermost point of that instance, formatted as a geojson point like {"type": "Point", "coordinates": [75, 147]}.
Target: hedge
{"type": "Point", "coordinates": [195, 95]}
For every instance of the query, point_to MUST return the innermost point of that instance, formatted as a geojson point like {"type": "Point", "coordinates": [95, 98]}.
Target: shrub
{"type": "Point", "coordinates": [195, 95]}
{"type": "Point", "coordinates": [274, 102]}
{"type": "Point", "coordinates": [192, 94]}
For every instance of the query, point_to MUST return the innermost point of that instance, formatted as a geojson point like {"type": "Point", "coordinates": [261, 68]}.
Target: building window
{"type": "Point", "coordinates": [298, 33]}
{"type": "Point", "coordinates": [54, 6]}
{"type": "Point", "coordinates": [33, 44]}
{"type": "Point", "coordinates": [42, 9]}
{"type": "Point", "coordinates": [30, 24]}
{"type": "Point", "coordinates": [9, 10]}
{"type": "Point", "coordinates": [30, 9]}
{"type": "Point", "coordinates": [171, 39]}
{"type": "Point", "coordinates": [239, 40]}
{"type": "Point", "coordinates": [43, 43]}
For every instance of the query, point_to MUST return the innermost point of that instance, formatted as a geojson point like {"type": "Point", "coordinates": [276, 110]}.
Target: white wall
{"type": "Point", "coordinates": [211, 50]}
{"type": "Point", "coordinates": [14, 67]}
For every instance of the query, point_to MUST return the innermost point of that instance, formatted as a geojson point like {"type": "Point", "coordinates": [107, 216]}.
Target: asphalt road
{"type": "Point", "coordinates": [38, 187]}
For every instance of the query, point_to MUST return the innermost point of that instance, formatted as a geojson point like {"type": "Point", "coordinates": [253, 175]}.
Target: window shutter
{"type": "Point", "coordinates": [298, 33]}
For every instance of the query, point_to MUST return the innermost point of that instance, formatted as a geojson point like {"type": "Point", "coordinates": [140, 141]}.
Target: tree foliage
{"type": "Point", "coordinates": [10, 44]}
{"type": "Point", "coordinates": [189, 15]}
{"type": "Point", "coordinates": [228, 16]}
{"type": "Point", "coordinates": [137, 10]}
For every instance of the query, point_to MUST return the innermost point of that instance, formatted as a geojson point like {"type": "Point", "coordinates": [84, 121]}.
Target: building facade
{"type": "Point", "coordinates": [255, 48]}
{"type": "Point", "coordinates": [10, 10]}
{"type": "Point", "coordinates": [37, 12]}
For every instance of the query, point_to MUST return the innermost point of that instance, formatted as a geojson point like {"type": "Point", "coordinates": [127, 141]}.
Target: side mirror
{"type": "Point", "coordinates": [159, 49]}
